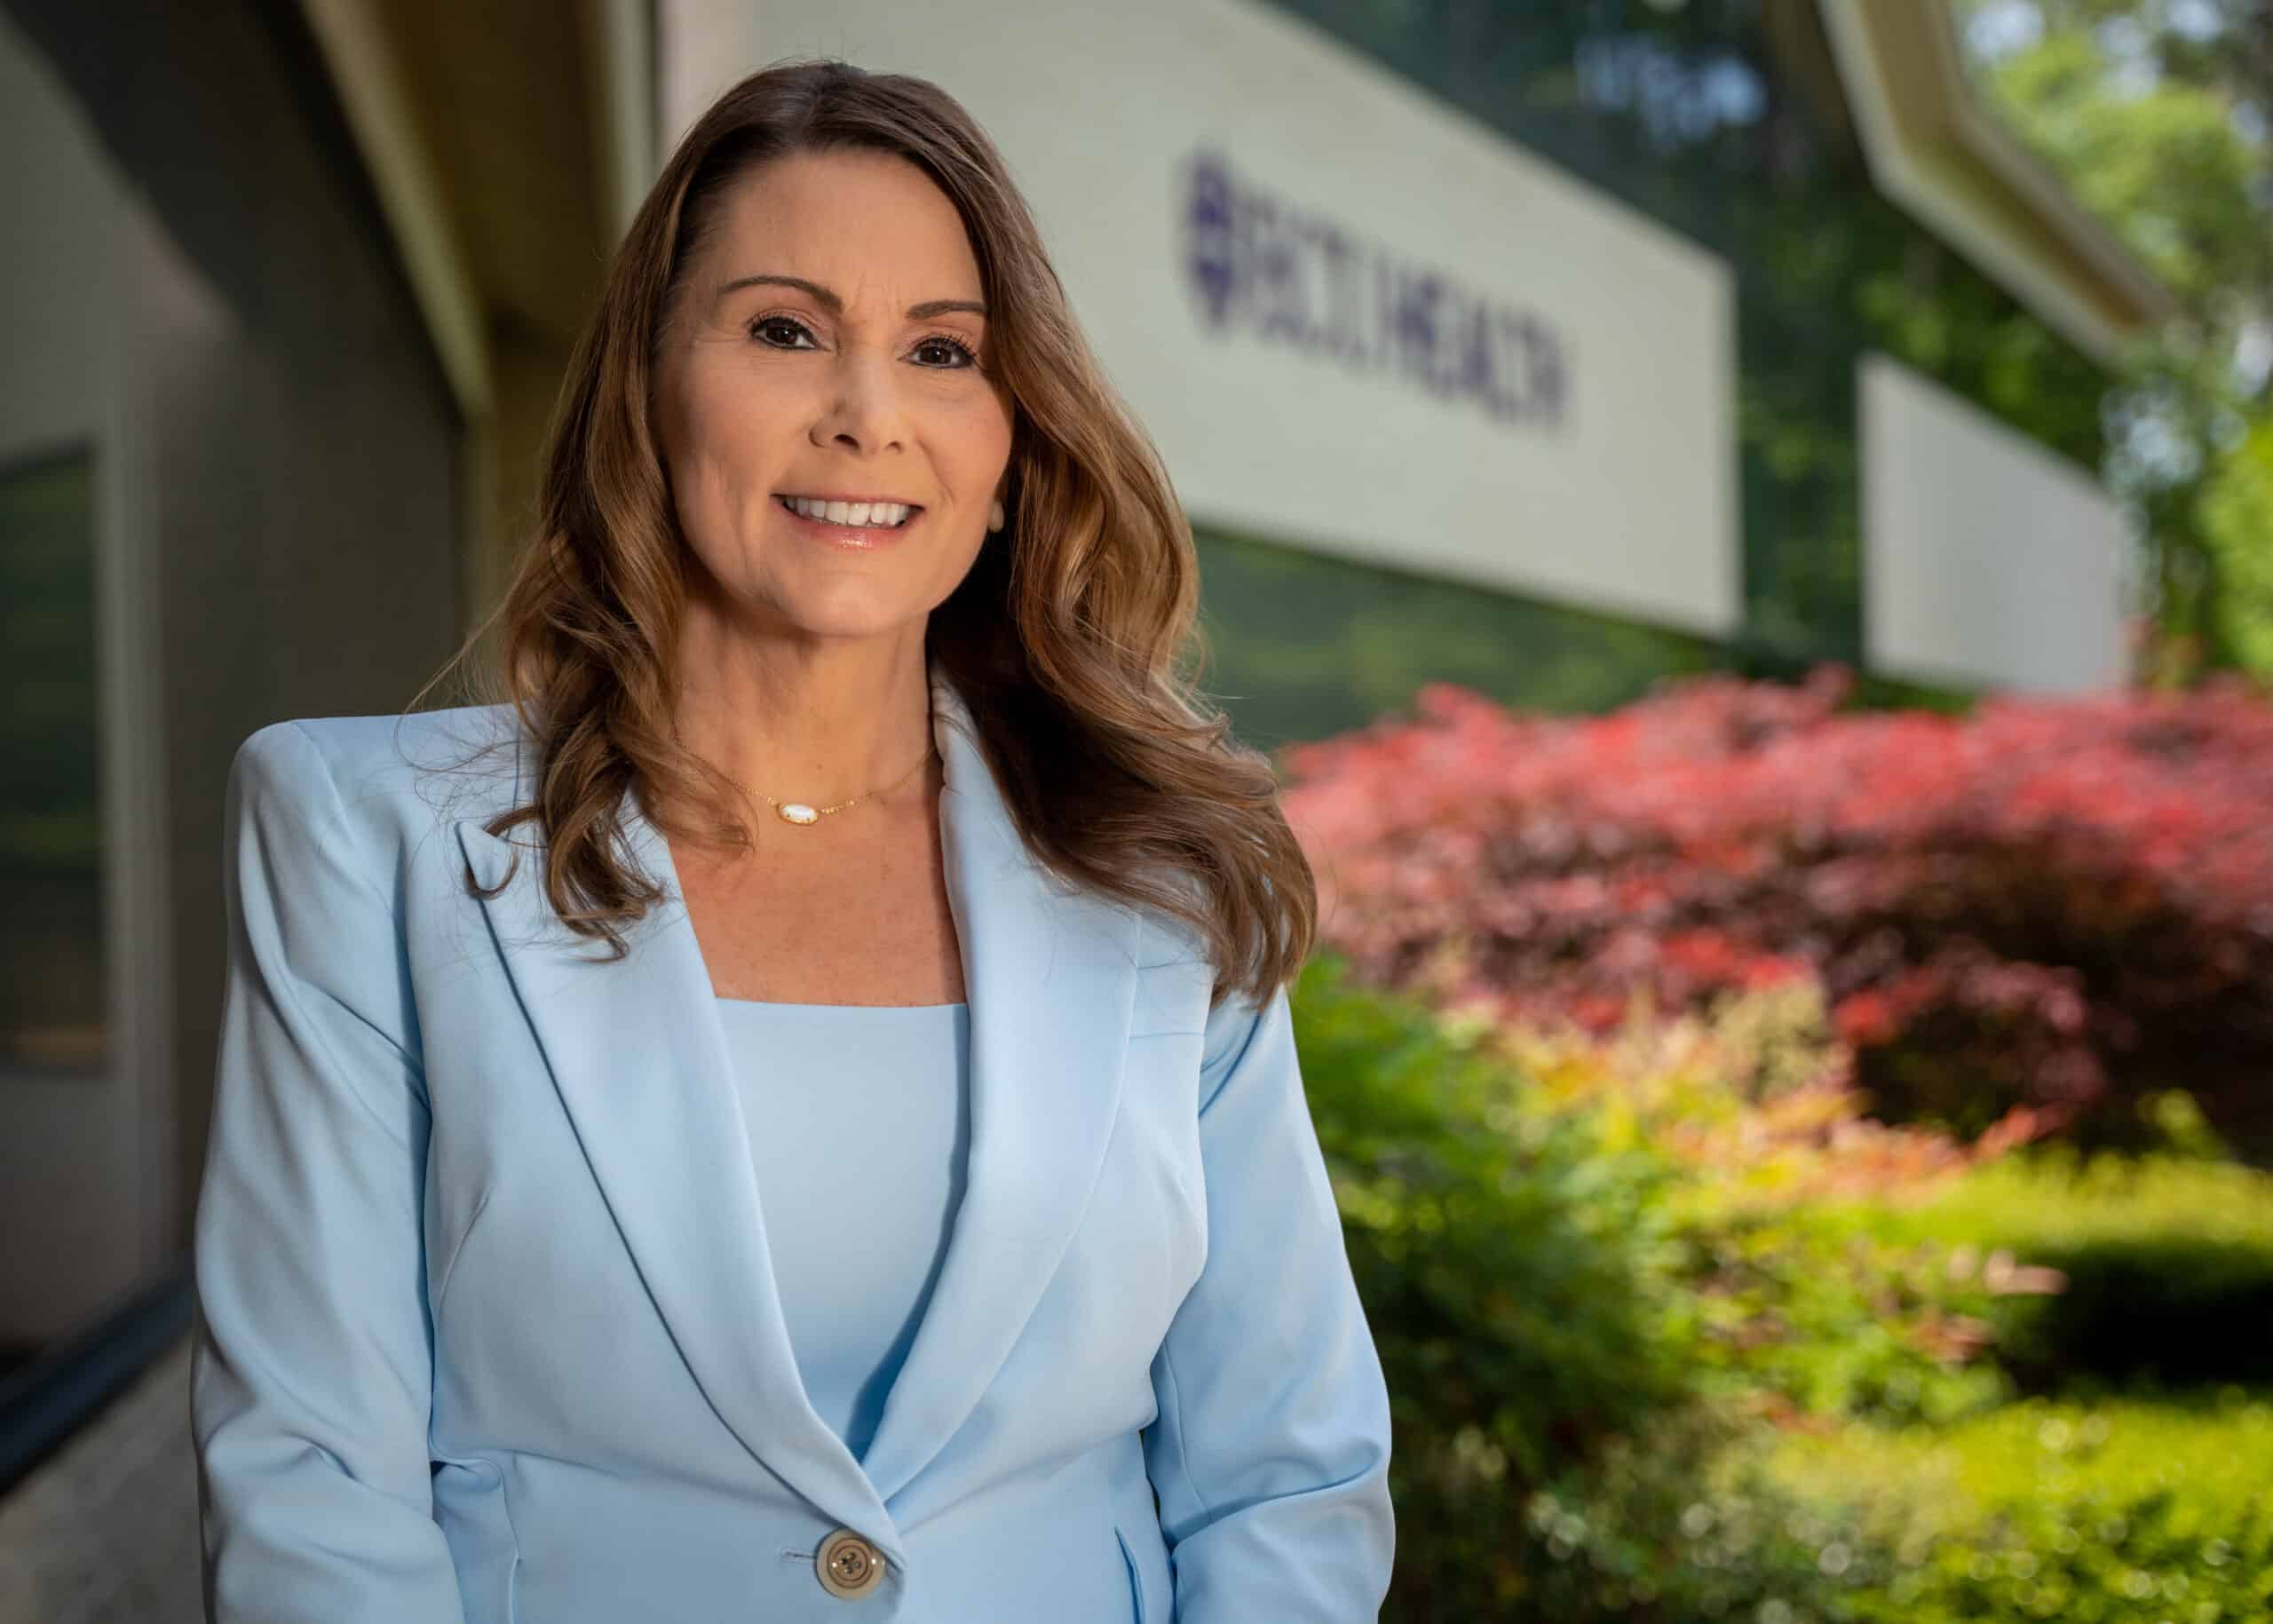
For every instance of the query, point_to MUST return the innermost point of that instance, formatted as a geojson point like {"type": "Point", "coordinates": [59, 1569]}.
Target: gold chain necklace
{"type": "Point", "coordinates": [802, 814]}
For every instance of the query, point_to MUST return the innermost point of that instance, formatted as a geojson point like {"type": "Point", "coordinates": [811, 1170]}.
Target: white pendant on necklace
{"type": "Point", "coordinates": [797, 811]}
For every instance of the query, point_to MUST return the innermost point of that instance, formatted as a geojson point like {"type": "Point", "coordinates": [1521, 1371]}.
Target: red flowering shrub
{"type": "Point", "coordinates": [2052, 903]}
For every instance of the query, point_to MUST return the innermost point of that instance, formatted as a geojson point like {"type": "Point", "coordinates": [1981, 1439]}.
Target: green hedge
{"type": "Point", "coordinates": [1543, 1364]}
{"type": "Point", "coordinates": [2168, 1260]}
{"type": "Point", "coordinates": [1572, 1436]}
{"type": "Point", "coordinates": [2121, 1509]}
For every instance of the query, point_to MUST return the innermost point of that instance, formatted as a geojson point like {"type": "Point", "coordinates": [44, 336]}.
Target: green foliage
{"type": "Point", "coordinates": [2053, 1199]}
{"type": "Point", "coordinates": [2166, 1259]}
{"type": "Point", "coordinates": [1805, 1308]}
{"type": "Point", "coordinates": [2058, 1510]}
{"type": "Point", "coordinates": [1817, 1319]}
{"type": "Point", "coordinates": [1596, 1271]}
{"type": "Point", "coordinates": [2152, 115]}
{"type": "Point", "coordinates": [2236, 516]}
{"type": "Point", "coordinates": [1519, 1268]}
{"type": "Point", "coordinates": [2121, 153]}
{"type": "Point", "coordinates": [1684, 1522]}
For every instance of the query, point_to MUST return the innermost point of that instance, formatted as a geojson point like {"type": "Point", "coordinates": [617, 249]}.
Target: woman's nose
{"type": "Point", "coordinates": [862, 403]}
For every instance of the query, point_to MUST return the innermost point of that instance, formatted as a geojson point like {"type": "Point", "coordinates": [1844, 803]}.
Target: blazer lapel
{"type": "Point", "coordinates": [1051, 975]}
{"type": "Point", "coordinates": [639, 1054]}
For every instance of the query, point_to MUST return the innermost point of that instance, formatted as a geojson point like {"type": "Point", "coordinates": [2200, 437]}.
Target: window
{"type": "Point", "coordinates": [51, 989]}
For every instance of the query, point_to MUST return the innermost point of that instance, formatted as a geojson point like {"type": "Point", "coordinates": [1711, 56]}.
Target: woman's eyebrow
{"type": "Point", "coordinates": [828, 299]}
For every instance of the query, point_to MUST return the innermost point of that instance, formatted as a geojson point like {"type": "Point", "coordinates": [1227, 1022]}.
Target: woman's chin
{"type": "Point", "coordinates": [844, 616]}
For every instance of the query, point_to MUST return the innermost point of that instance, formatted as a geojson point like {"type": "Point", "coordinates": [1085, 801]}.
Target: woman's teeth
{"type": "Point", "coordinates": [868, 515]}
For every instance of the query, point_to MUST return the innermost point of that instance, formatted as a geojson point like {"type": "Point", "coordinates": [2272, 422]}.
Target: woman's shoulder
{"type": "Point", "coordinates": [387, 770]}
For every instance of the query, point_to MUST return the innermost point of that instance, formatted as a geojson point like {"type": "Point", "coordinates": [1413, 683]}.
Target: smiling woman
{"type": "Point", "coordinates": [833, 291]}
{"type": "Point", "coordinates": [759, 368]}
{"type": "Point", "coordinates": [913, 1214]}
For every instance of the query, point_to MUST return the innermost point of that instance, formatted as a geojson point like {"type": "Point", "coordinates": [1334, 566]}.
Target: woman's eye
{"type": "Point", "coordinates": [956, 345]}
{"type": "Point", "coordinates": [762, 323]}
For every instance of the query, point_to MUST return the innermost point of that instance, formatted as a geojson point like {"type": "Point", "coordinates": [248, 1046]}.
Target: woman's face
{"type": "Point", "coordinates": [827, 346]}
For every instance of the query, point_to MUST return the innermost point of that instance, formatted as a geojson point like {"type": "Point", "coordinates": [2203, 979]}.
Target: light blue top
{"type": "Point", "coordinates": [853, 1096]}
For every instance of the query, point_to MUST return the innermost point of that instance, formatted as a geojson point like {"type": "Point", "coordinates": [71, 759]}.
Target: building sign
{"type": "Point", "coordinates": [1988, 559]}
{"type": "Point", "coordinates": [1353, 319]}
{"type": "Point", "coordinates": [1260, 263]}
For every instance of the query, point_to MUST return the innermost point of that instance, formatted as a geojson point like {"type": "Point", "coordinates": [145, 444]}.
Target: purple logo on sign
{"type": "Point", "coordinates": [1291, 277]}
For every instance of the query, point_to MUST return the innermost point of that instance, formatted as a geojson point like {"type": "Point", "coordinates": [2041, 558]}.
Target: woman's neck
{"type": "Point", "coordinates": [813, 720]}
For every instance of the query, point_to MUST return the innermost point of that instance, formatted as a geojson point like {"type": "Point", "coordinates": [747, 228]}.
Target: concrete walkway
{"type": "Point", "coordinates": [105, 1531]}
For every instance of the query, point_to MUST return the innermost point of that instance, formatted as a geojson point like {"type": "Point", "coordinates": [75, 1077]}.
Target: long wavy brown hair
{"type": "Point", "coordinates": [1072, 636]}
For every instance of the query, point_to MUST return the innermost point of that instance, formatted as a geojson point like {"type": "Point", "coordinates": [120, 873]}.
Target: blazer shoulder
{"type": "Point", "coordinates": [390, 773]}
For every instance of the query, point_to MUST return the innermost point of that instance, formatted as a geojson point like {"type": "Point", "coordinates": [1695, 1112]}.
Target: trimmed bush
{"type": "Point", "coordinates": [1633, 1297]}
{"type": "Point", "coordinates": [2164, 1263]}
{"type": "Point", "coordinates": [2056, 904]}
{"type": "Point", "coordinates": [2127, 1510]}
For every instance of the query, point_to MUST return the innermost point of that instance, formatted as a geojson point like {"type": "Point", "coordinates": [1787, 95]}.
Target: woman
{"type": "Point", "coordinates": [627, 1202]}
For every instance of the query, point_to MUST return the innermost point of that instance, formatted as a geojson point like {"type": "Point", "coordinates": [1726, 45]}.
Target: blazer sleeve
{"type": "Point", "coordinates": [312, 1361]}
{"type": "Point", "coordinates": [1270, 1453]}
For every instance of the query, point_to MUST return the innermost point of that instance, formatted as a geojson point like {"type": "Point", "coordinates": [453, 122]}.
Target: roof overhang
{"type": "Point", "coordinates": [509, 144]}
{"type": "Point", "coordinates": [1937, 154]}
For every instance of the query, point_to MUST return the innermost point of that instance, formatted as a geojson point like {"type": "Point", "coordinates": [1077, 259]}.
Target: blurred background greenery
{"type": "Point", "coordinates": [2033, 1385]}
{"type": "Point", "coordinates": [1663, 1349]}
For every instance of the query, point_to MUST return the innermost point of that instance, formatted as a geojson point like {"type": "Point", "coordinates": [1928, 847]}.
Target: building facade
{"type": "Point", "coordinates": [1548, 350]}
{"type": "Point", "coordinates": [1555, 348]}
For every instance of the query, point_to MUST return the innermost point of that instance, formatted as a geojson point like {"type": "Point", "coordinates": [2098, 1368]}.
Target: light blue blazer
{"type": "Point", "coordinates": [488, 1330]}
